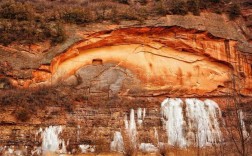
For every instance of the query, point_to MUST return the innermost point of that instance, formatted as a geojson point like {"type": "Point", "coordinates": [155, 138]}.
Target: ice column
{"type": "Point", "coordinates": [51, 141]}
{"type": "Point", "coordinates": [171, 110]}
{"type": "Point", "coordinates": [244, 131]}
{"type": "Point", "coordinates": [117, 143]}
{"type": "Point", "coordinates": [131, 128]}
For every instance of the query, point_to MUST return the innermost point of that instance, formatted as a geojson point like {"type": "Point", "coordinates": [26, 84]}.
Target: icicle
{"type": "Point", "coordinates": [131, 128]}
{"type": "Point", "coordinates": [117, 143]}
{"type": "Point", "coordinates": [244, 131]}
{"type": "Point", "coordinates": [144, 113]}
{"type": "Point", "coordinates": [171, 110]}
{"type": "Point", "coordinates": [78, 133]}
{"type": "Point", "coordinates": [126, 123]}
{"type": "Point", "coordinates": [139, 113]}
{"type": "Point", "coordinates": [148, 147]}
{"type": "Point", "coordinates": [51, 141]}
{"type": "Point", "coordinates": [139, 116]}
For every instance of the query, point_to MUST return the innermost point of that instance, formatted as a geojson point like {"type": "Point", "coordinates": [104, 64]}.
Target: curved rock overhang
{"type": "Point", "coordinates": [157, 60]}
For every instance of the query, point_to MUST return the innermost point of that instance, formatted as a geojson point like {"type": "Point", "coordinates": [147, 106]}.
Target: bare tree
{"type": "Point", "coordinates": [235, 125]}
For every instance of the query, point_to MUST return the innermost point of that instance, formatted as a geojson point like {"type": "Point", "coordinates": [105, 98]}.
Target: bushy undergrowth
{"type": "Point", "coordinates": [39, 20]}
{"type": "Point", "coordinates": [23, 23]}
{"type": "Point", "coordinates": [28, 32]}
{"type": "Point", "coordinates": [28, 102]}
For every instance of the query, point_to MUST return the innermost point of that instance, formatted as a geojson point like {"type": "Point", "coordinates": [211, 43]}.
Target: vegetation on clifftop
{"type": "Point", "coordinates": [32, 21]}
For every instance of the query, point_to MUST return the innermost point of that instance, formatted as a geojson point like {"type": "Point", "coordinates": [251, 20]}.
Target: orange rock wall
{"type": "Point", "coordinates": [161, 58]}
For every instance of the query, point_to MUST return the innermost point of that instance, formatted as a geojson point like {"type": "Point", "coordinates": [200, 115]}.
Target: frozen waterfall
{"type": "Point", "coordinates": [171, 110]}
{"type": "Point", "coordinates": [203, 126]}
{"type": "Point", "coordinates": [117, 143]}
{"type": "Point", "coordinates": [51, 141]}
{"type": "Point", "coordinates": [193, 123]}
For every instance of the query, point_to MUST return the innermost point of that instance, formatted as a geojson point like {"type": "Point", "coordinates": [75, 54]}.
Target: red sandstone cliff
{"type": "Point", "coordinates": [104, 70]}
{"type": "Point", "coordinates": [172, 55]}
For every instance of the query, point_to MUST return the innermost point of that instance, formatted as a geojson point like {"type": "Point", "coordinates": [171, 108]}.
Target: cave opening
{"type": "Point", "coordinates": [97, 61]}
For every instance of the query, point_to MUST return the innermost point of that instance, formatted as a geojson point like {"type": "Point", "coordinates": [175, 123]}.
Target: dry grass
{"type": "Point", "coordinates": [28, 22]}
{"type": "Point", "coordinates": [28, 102]}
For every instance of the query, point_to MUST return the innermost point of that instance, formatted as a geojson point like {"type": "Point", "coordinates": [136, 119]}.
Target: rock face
{"type": "Point", "coordinates": [110, 71]}
{"type": "Point", "coordinates": [172, 60]}
{"type": "Point", "coordinates": [173, 55]}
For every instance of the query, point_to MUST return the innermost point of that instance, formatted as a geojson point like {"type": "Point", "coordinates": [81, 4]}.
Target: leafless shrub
{"type": "Point", "coordinates": [29, 102]}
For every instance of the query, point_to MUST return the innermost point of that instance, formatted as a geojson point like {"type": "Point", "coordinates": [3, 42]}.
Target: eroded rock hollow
{"type": "Point", "coordinates": [159, 60]}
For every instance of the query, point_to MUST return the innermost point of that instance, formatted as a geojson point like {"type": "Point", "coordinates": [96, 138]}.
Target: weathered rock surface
{"type": "Point", "coordinates": [176, 55]}
{"type": "Point", "coordinates": [112, 68]}
{"type": "Point", "coordinates": [173, 60]}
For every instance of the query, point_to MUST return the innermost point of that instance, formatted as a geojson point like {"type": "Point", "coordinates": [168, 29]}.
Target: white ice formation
{"type": "Point", "coordinates": [117, 143]}
{"type": "Point", "coordinates": [131, 128]}
{"type": "Point", "coordinates": [51, 141]}
{"type": "Point", "coordinates": [193, 123]}
{"type": "Point", "coordinates": [148, 147]}
{"type": "Point", "coordinates": [87, 148]}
